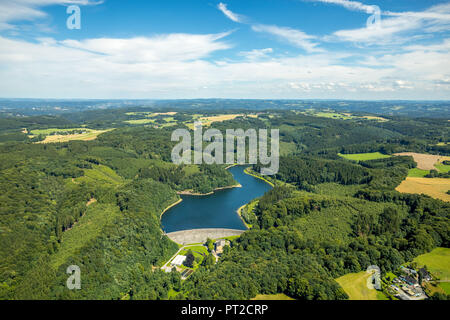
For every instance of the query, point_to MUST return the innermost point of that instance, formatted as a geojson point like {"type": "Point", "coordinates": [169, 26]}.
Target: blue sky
{"type": "Point", "coordinates": [230, 49]}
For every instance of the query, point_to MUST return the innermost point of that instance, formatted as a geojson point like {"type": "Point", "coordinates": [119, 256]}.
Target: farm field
{"type": "Point", "coordinates": [89, 135]}
{"type": "Point", "coordinates": [355, 285]}
{"type": "Point", "coordinates": [151, 114]}
{"type": "Point", "coordinates": [434, 187]}
{"type": "Point", "coordinates": [364, 156]}
{"type": "Point", "coordinates": [425, 161]}
{"type": "Point", "coordinates": [444, 168]}
{"type": "Point", "coordinates": [437, 262]}
{"type": "Point", "coordinates": [50, 131]}
{"type": "Point", "coordinates": [341, 115]}
{"type": "Point", "coordinates": [207, 121]}
{"type": "Point", "coordinates": [417, 173]}
{"type": "Point", "coordinates": [445, 286]}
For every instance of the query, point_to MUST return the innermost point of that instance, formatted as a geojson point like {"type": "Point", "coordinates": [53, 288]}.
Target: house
{"type": "Point", "coordinates": [425, 274]}
{"type": "Point", "coordinates": [408, 270]}
{"type": "Point", "coordinates": [178, 260]}
{"type": "Point", "coordinates": [219, 245]}
{"type": "Point", "coordinates": [409, 280]}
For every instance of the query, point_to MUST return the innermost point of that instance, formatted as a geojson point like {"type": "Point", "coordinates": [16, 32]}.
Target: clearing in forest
{"type": "Point", "coordinates": [88, 135]}
{"type": "Point", "coordinates": [434, 187]}
{"type": "Point", "coordinates": [364, 156]}
{"type": "Point", "coordinates": [208, 120]}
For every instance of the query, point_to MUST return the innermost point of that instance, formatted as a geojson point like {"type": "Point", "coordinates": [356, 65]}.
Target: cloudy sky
{"type": "Point", "coordinates": [341, 49]}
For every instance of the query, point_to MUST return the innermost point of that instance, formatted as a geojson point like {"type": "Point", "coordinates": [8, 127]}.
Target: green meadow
{"type": "Point", "coordinates": [437, 262]}
{"type": "Point", "coordinates": [364, 156]}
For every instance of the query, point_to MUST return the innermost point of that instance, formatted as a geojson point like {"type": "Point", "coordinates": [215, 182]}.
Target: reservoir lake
{"type": "Point", "coordinates": [218, 210]}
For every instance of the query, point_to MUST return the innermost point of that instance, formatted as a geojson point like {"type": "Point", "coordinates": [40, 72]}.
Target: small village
{"type": "Point", "coordinates": [189, 257]}
{"type": "Point", "coordinates": [409, 283]}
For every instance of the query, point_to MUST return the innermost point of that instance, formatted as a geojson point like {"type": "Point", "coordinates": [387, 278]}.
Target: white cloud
{"type": "Point", "coordinates": [394, 27]}
{"type": "Point", "coordinates": [352, 5]}
{"type": "Point", "coordinates": [256, 53]}
{"type": "Point", "coordinates": [28, 10]}
{"type": "Point", "coordinates": [295, 37]}
{"type": "Point", "coordinates": [159, 67]}
{"type": "Point", "coordinates": [171, 47]}
{"type": "Point", "coordinates": [229, 14]}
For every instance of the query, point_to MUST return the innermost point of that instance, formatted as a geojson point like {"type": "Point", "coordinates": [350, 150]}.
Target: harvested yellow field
{"type": "Point", "coordinates": [424, 161]}
{"type": "Point", "coordinates": [434, 187]}
{"type": "Point", "coordinates": [207, 121]}
{"type": "Point", "coordinates": [380, 119]}
{"type": "Point", "coordinates": [224, 117]}
{"type": "Point", "coordinates": [88, 136]}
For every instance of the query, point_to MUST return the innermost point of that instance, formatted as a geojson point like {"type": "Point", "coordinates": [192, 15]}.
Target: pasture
{"type": "Point", "coordinates": [437, 262]}
{"type": "Point", "coordinates": [364, 156]}
{"type": "Point", "coordinates": [85, 135]}
{"type": "Point", "coordinates": [417, 173]}
{"type": "Point", "coordinates": [355, 285]}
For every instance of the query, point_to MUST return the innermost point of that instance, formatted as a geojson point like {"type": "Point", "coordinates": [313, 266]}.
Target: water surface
{"type": "Point", "coordinates": [217, 210]}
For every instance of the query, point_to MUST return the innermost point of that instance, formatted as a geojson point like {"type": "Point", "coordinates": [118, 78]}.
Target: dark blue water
{"type": "Point", "coordinates": [217, 210]}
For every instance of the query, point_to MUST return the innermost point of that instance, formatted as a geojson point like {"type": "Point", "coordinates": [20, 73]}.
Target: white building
{"type": "Point", "coordinates": [178, 260]}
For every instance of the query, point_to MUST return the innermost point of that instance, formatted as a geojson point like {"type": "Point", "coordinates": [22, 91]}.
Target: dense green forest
{"type": "Point", "coordinates": [97, 204]}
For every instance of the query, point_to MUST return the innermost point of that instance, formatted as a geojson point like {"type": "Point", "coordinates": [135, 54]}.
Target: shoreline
{"type": "Point", "coordinates": [258, 177]}
{"type": "Point", "coordinates": [190, 193]}
{"type": "Point", "coordinates": [238, 211]}
{"type": "Point", "coordinates": [169, 207]}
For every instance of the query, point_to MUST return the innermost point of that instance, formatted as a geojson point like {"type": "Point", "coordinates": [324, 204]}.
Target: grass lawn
{"type": "Point", "coordinates": [445, 286]}
{"type": "Point", "coordinates": [140, 121]}
{"type": "Point", "coordinates": [390, 276]}
{"type": "Point", "coordinates": [364, 156]}
{"type": "Point", "coordinates": [437, 262]}
{"type": "Point", "coordinates": [197, 250]}
{"type": "Point", "coordinates": [355, 285]}
{"type": "Point", "coordinates": [443, 168]}
{"type": "Point", "coordinates": [278, 296]}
